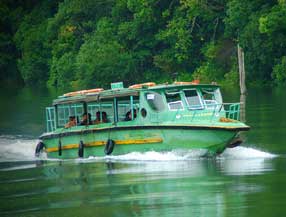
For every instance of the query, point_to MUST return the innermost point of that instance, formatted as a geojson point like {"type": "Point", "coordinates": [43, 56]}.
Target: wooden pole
{"type": "Point", "coordinates": [242, 107]}
{"type": "Point", "coordinates": [240, 55]}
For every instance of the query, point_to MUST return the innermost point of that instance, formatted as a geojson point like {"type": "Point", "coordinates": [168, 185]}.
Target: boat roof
{"type": "Point", "coordinates": [89, 95]}
{"type": "Point", "coordinates": [182, 86]}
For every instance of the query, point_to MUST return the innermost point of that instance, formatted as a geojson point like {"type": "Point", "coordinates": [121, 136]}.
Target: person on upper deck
{"type": "Point", "coordinates": [128, 116]}
{"type": "Point", "coordinates": [98, 118]}
{"type": "Point", "coordinates": [86, 119]}
{"type": "Point", "coordinates": [71, 123]}
{"type": "Point", "coordinates": [104, 117]}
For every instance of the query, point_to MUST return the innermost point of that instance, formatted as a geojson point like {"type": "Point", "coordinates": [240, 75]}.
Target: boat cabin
{"type": "Point", "coordinates": [141, 104]}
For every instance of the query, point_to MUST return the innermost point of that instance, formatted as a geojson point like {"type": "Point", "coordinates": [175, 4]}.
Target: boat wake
{"type": "Point", "coordinates": [176, 155]}
{"type": "Point", "coordinates": [17, 148]}
{"type": "Point", "coordinates": [244, 161]}
{"type": "Point", "coordinates": [18, 153]}
{"type": "Point", "coordinates": [241, 152]}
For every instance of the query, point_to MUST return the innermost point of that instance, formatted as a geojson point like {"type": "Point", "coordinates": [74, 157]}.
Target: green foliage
{"type": "Point", "coordinates": [259, 26]}
{"type": "Point", "coordinates": [9, 19]}
{"type": "Point", "coordinates": [30, 38]}
{"type": "Point", "coordinates": [193, 26]}
{"type": "Point", "coordinates": [62, 71]}
{"type": "Point", "coordinates": [73, 44]}
{"type": "Point", "coordinates": [231, 78]}
{"type": "Point", "coordinates": [102, 59]}
{"type": "Point", "coordinates": [66, 31]}
{"type": "Point", "coordinates": [218, 65]}
{"type": "Point", "coordinates": [274, 21]}
{"type": "Point", "coordinates": [33, 64]}
{"type": "Point", "coordinates": [279, 71]}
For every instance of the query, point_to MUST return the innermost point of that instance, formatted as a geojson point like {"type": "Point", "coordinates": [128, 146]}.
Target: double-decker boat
{"type": "Point", "coordinates": [143, 117]}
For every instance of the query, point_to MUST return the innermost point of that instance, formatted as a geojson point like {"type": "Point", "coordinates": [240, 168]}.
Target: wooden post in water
{"type": "Point", "coordinates": [242, 107]}
{"type": "Point", "coordinates": [240, 55]}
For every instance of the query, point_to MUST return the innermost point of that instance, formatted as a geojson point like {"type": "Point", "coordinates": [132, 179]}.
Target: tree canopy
{"type": "Point", "coordinates": [75, 44]}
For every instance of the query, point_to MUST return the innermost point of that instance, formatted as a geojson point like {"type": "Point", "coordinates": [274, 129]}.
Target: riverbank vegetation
{"type": "Point", "coordinates": [75, 44]}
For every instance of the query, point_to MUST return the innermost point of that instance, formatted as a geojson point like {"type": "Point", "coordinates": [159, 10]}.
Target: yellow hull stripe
{"type": "Point", "coordinates": [102, 143]}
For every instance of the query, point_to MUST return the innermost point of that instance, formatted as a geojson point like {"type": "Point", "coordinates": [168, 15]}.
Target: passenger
{"type": "Point", "coordinates": [71, 123]}
{"type": "Point", "coordinates": [128, 116]}
{"type": "Point", "coordinates": [86, 119]}
{"type": "Point", "coordinates": [104, 117]}
{"type": "Point", "coordinates": [98, 118]}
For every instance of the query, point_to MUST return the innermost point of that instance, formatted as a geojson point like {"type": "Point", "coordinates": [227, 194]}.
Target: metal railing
{"type": "Point", "coordinates": [213, 112]}
{"type": "Point", "coordinates": [50, 119]}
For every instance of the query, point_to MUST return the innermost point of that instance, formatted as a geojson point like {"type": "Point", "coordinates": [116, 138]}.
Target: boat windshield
{"type": "Point", "coordinates": [193, 99]}
{"type": "Point", "coordinates": [174, 101]}
{"type": "Point", "coordinates": [211, 97]}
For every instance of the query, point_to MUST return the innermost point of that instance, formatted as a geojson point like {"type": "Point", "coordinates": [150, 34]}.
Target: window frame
{"type": "Point", "coordinates": [217, 95]}
{"type": "Point", "coordinates": [64, 111]}
{"type": "Point", "coordinates": [170, 103]}
{"type": "Point", "coordinates": [200, 99]}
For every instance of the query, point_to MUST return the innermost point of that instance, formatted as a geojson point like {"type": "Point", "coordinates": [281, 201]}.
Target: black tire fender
{"type": "Point", "coordinates": [60, 148]}
{"type": "Point", "coordinates": [80, 149]}
{"type": "Point", "coordinates": [109, 146]}
{"type": "Point", "coordinates": [39, 148]}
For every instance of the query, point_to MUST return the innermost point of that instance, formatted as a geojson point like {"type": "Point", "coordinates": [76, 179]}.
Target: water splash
{"type": "Point", "coordinates": [245, 161]}
{"type": "Point", "coordinates": [235, 161]}
{"type": "Point", "coordinates": [176, 155]}
{"type": "Point", "coordinates": [241, 152]}
{"type": "Point", "coordinates": [17, 148]}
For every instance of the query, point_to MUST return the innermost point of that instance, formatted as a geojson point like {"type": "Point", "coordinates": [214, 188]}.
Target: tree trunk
{"type": "Point", "coordinates": [241, 67]}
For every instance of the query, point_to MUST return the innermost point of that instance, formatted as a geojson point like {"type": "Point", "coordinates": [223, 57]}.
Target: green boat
{"type": "Point", "coordinates": [143, 117]}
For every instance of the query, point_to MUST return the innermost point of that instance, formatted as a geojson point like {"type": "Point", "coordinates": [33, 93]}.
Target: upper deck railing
{"type": "Point", "coordinates": [226, 112]}
{"type": "Point", "coordinates": [213, 112]}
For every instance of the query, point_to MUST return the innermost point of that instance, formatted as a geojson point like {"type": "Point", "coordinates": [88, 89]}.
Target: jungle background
{"type": "Point", "coordinates": [72, 44]}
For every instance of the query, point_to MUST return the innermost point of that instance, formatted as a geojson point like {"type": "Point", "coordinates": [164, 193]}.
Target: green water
{"type": "Point", "coordinates": [243, 181]}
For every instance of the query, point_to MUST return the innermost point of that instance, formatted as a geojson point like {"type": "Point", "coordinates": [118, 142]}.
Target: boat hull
{"type": "Point", "coordinates": [132, 139]}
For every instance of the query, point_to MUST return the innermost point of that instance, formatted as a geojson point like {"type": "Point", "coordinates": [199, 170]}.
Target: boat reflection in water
{"type": "Point", "coordinates": [117, 187]}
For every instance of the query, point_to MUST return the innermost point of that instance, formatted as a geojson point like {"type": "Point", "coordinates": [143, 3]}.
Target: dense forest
{"type": "Point", "coordinates": [74, 44]}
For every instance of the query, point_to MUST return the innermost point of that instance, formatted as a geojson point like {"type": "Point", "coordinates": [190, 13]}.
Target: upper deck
{"type": "Point", "coordinates": [180, 103]}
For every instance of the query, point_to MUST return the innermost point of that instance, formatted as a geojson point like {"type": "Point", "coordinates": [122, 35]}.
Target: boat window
{"type": "Point", "coordinates": [143, 112]}
{"type": "Point", "coordinates": [174, 101]}
{"type": "Point", "coordinates": [193, 99]}
{"type": "Point", "coordinates": [92, 108]}
{"type": "Point", "coordinates": [102, 108]}
{"type": "Point", "coordinates": [50, 118]}
{"type": "Point", "coordinates": [155, 101]}
{"type": "Point", "coordinates": [124, 108]}
{"type": "Point", "coordinates": [211, 97]}
{"type": "Point", "coordinates": [67, 110]}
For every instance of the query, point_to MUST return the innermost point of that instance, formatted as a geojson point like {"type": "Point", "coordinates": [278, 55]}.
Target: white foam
{"type": "Point", "coordinates": [245, 161]}
{"type": "Point", "coordinates": [241, 152]}
{"type": "Point", "coordinates": [17, 149]}
{"type": "Point", "coordinates": [176, 155]}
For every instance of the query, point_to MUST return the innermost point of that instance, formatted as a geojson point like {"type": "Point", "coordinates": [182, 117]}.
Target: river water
{"type": "Point", "coordinates": [244, 181]}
